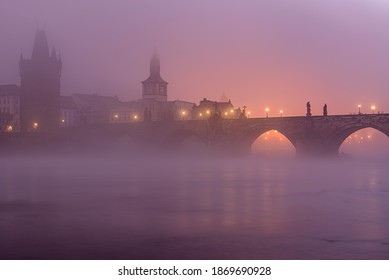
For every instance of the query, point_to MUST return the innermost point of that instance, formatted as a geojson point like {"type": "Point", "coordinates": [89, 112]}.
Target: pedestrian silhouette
{"type": "Point", "coordinates": [309, 109]}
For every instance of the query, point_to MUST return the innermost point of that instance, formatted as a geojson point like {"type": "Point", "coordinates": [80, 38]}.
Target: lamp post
{"type": "Point", "coordinates": [281, 112]}
{"type": "Point", "coordinates": [267, 112]}
{"type": "Point", "coordinates": [359, 109]}
{"type": "Point", "coordinates": [372, 109]}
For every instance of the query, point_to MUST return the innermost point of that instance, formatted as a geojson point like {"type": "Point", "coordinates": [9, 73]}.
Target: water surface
{"type": "Point", "coordinates": [248, 208]}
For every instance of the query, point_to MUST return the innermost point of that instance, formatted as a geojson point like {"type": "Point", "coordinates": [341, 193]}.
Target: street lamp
{"type": "Point", "coordinates": [372, 109]}
{"type": "Point", "coordinates": [267, 112]}
{"type": "Point", "coordinates": [281, 112]}
{"type": "Point", "coordinates": [359, 109]}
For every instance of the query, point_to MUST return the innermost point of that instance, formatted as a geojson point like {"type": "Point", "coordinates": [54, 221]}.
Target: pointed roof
{"type": "Point", "coordinates": [41, 48]}
{"type": "Point", "coordinates": [223, 98]}
{"type": "Point", "coordinates": [155, 70]}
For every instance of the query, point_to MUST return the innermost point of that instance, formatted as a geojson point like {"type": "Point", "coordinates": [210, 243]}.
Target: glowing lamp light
{"type": "Point", "coordinates": [35, 125]}
{"type": "Point", "coordinates": [207, 112]}
{"type": "Point", "coordinates": [183, 113]}
{"type": "Point", "coordinates": [225, 113]}
{"type": "Point", "coordinates": [232, 111]}
{"type": "Point", "coordinates": [116, 116]}
{"type": "Point", "coordinates": [10, 128]}
{"type": "Point", "coordinates": [62, 121]}
{"type": "Point", "coordinates": [135, 117]}
{"type": "Point", "coordinates": [201, 114]}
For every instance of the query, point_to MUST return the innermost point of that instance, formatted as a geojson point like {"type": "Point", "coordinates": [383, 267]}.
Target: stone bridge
{"type": "Point", "coordinates": [316, 135]}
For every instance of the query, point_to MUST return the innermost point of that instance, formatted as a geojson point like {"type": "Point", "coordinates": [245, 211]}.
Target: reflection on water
{"type": "Point", "coordinates": [74, 208]}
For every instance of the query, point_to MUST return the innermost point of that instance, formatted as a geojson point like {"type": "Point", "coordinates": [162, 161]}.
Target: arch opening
{"type": "Point", "coordinates": [273, 143]}
{"type": "Point", "coordinates": [192, 145]}
{"type": "Point", "coordinates": [365, 143]}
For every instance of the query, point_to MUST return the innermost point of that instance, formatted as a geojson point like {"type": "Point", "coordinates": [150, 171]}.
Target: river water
{"type": "Point", "coordinates": [158, 208]}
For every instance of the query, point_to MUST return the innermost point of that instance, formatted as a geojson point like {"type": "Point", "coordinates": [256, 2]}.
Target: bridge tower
{"type": "Point", "coordinates": [40, 87]}
{"type": "Point", "coordinates": [154, 87]}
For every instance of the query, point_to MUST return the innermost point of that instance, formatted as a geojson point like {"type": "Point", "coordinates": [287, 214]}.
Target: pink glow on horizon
{"type": "Point", "coordinates": [258, 53]}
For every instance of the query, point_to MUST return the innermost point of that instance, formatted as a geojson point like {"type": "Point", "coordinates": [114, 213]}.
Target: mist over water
{"type": "Point", "coordinates": [100, 207]}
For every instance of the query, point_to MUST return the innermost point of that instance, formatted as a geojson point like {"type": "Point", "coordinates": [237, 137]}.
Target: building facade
{"type": "Point", "coordinates": [9, 108]}
{"type": "Point", "coordinates": [69, 112]}
{"type": "Point", "coordinates": [208, 108]}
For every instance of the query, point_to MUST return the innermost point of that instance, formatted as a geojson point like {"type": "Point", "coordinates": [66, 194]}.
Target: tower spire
{"type": "Point", "coordinates": [155, 66]}
{"type": "Point", "coordinates": [41, 48]}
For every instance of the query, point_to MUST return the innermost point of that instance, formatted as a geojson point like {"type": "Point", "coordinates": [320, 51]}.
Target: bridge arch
{"type": "Point", "coordinates": [276, 139]}
{"type": "Point", "coordinates": [186, 138]}
{"type": "Point", "coordinates": [335, 141]}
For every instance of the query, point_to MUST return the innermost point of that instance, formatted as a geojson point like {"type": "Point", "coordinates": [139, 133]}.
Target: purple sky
{"type": "Point", "coordinates": [263, 53]}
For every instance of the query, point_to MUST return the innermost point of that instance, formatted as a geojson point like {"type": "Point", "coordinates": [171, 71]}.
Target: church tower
{"type": "Point", "coordinates": [40, 87]}
{"type": "Point", "coordinates": [154, 87]}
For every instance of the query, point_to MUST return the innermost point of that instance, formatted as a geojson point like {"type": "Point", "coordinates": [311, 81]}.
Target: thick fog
{"type": "Point", "coordinates": [108, 197]}
{"type": "Point", "coordinates": [276, 54]}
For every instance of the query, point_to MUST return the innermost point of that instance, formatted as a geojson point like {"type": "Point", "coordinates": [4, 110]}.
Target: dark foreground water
{"type": "Point", "coordinates": [110, 208]}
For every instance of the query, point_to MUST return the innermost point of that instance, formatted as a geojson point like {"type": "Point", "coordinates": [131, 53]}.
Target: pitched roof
{"type": "Point", "coordinates": [155, 79]}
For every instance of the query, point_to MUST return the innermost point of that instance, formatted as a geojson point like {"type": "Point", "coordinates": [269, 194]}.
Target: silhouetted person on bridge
{"type": "Point", "coordinates": [243, 113]}
{"type": "Point", "coordinates": [309, 109]}
{"type": "Point", "coordinates": [325, 113]}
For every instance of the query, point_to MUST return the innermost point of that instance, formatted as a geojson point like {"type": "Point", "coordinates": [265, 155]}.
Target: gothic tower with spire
{"type": "Point", "coordinates": [154, 87]}
{"type": "Point", "coordinates": [40, 87]}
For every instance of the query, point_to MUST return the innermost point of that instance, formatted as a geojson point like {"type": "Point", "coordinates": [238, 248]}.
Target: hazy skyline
{"type": "Point", "coordinates": [261, 54]}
